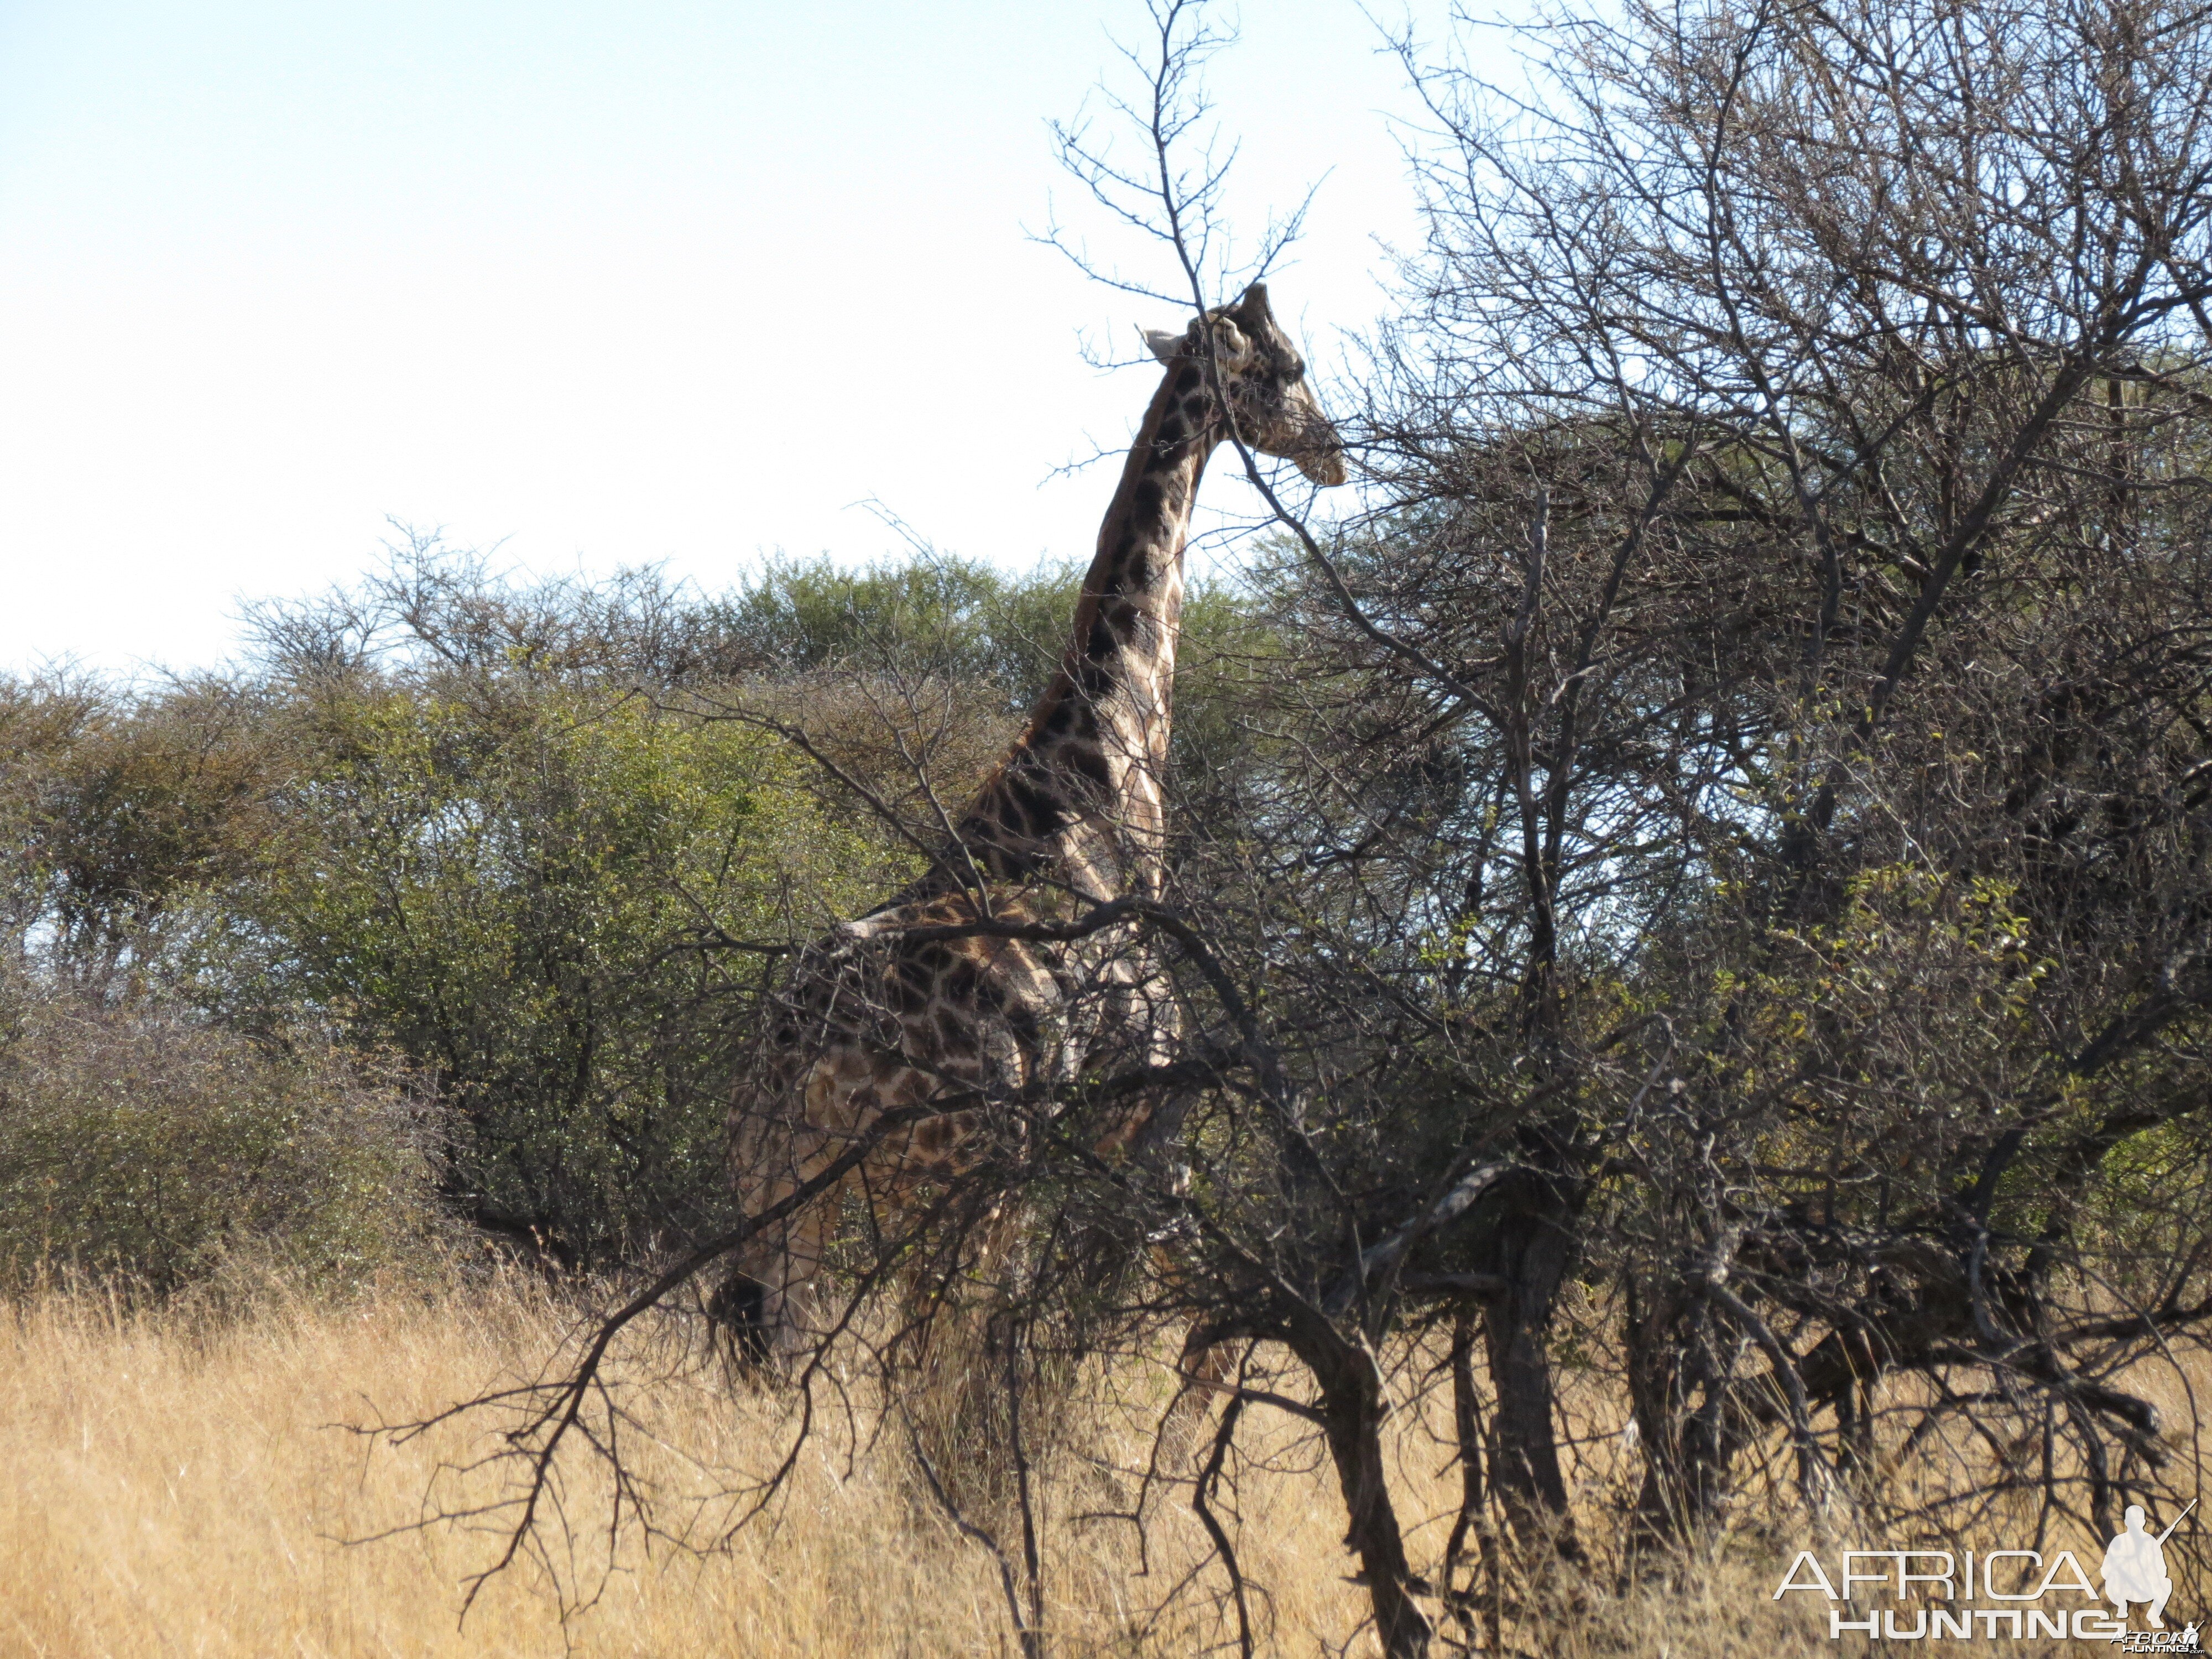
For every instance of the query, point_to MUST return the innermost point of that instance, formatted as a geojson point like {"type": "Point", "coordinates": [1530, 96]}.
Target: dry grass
{"type": "Point", "coordinates": [175, 1485]}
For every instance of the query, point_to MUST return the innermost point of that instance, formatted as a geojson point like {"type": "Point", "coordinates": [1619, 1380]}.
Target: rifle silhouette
{"type": "Point", "coordinates": [2176, 1521]}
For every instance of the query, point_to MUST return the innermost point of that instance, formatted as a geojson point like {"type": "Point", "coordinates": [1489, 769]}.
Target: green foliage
{"type": "Point", "coordinates": [963, 620]}
{"type": "Point", "coordinates": [1884, 1037]}
{"type": "Point", "coordinates": [459, 821]}
{"type": "Point", "coordinates": [152, 1146]}
{"type": "Point", "coordinates": [942, 614]}
{"type": "Point", "coordinates": [544, 898]}
{"type": "Point", "coordinates": [111, 805]}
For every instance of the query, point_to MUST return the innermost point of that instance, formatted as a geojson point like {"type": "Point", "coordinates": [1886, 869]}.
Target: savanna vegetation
{"type": "Point", "coordinates": [1688, 908]}
{"type": "Point", "coordinates": [451, 846]}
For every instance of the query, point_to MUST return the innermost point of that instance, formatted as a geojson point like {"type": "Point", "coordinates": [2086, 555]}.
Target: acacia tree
{"type": "Point", "coordinates": [1836, 739]}
{"type": "Point", "coordinates": [1724, 832]}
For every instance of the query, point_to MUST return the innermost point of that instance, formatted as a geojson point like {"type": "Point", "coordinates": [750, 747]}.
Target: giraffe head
{"type": "Point", "coordinates": [1265, 381]}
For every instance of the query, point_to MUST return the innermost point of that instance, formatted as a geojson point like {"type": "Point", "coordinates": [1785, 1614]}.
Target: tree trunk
{"type": "Point", "coordinates": [1532, 1248]}
{"type": "Point", "coordinates": [1352, 1406]}
{"type": "Point", "coordinates": [1681, 1401]}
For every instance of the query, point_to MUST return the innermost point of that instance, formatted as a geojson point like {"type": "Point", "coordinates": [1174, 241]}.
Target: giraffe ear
{"type": "Point", "coordinates": [1165, 346]}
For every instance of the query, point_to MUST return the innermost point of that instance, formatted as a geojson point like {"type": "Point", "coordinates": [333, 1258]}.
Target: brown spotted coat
{"type": "Point", "coordinates": [1073, 816]}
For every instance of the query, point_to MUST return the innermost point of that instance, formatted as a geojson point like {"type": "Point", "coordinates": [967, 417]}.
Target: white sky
{"type": "Point", "coordinates": [672, 282]}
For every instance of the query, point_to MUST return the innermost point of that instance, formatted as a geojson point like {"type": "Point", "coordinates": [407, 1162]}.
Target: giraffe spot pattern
{"type": "Point", "coordinates": [877, 1020]}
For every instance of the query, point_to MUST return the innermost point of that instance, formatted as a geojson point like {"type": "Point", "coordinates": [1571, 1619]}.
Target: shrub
{"type": "Point", "coordinates": [544, 900]}
{"type": "Point", "coordinates": [144, 1144]}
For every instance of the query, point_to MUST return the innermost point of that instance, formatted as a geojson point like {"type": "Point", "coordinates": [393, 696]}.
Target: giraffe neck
{"type": "Point", "coordinates": [1082, 784]}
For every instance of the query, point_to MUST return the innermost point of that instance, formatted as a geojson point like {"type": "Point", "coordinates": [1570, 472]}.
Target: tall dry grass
{"type": "Point", "coordinates": [182, 1482]}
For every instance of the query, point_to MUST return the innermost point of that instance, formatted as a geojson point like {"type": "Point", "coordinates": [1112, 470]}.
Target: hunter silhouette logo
{"type": "Point", "coordinates": [2027, 1593]}
{"type": "Point", "coordinates": [2135, 1567]}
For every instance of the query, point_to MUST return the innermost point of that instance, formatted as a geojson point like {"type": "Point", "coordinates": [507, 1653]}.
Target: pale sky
{"type": "Point", "coordinates": [674, 282]}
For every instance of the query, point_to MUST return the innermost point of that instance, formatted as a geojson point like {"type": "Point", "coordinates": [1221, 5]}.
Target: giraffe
{"type": "Point", "coordinates": [898, 1009]}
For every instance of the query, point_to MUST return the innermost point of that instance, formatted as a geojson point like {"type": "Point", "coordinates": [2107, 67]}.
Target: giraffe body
{"type": "Point", "coordinates": [900, 1009]}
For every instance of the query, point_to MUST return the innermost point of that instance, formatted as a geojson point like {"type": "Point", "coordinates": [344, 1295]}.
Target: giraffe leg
{"type": "Point", "coordinates": [766, 1304]}
{"type": "Point", "coordinates": [790, 1316]}
{"type": "Point", "coordinates": [765, 1307]}
{"type": "Point", "coordinates": [751, 1307]}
